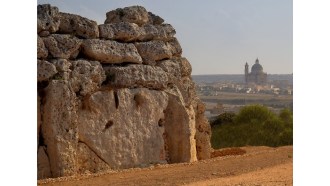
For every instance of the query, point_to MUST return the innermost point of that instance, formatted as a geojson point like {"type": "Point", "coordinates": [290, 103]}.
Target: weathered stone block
{"type": "Point", "coordinates": [42, 51]}
{"type": "Point", "coordinates": [77, 25]}
{"type": "Point", "coordinates": [62, 46]}
{"type": "Point", "coordinates": [132, 14]}
{"type": "Point", "coordinates": [122, 131]}
{"type": "Point", "coordinates": [45, 70]}
{"type": "Point", "coordinates": [132, 76]}
{"type": "Point", "coordinates": [48, 18]}
{"type": "Point", "coordinates": [111, 51]}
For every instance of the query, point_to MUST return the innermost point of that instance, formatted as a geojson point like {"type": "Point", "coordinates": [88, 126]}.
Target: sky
{"type": "Point", "coordinates": [217, 36]}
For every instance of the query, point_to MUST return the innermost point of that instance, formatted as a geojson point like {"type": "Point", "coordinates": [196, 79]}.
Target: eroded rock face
{"type": "Point", "coordinates": [48, 18]}
{"type": "Point", "coordinates": [43, 164]}
{"type": "Point", "coordinates": [42, 51]}
{"type": "Point", "coordinates": [62, 46]}
{"type": "Point", "coordinates": [133, 76]}
{"type": "Point", "coordinates": [111, 51]}
{"type": "Point", "coordinates": [45, 70]}
{"type": "Point", "coordinates": [179, 129]}
{"type": "Point", "coordinates": [128, 32]}
{"type": "Point", "coordinates": [132, 14]}
{"type": "Point", "coordinates": [116, 95]}
{"type": "Point", "coordinates": [121, 126]}
{"type": "Point", "coordinates": [77, 25]}
{"type": "Point", "coordinates": [59, 128]}
{"type": "Point", "coordinates": [86, 76]}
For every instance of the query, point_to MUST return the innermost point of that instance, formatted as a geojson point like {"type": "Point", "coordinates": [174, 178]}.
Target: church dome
{"type": "Point", "coordinates": [256, 68]}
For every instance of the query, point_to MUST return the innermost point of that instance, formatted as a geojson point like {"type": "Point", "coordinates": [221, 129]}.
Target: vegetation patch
{"type": "Point", "coordinates": [254, 125]}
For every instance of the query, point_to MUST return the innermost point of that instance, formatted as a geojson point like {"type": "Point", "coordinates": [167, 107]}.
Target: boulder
{"type": "Point", "coordinates": [63, 46]}
{"type": "Point", "coordinates": [153, 51]}
{"type": "Point", "coordinates": [155, 19]}
{"type": "Point", "coordinates": [128, 32]}
{"type": "Point", "coordinates": [86, 76]}
{"type": "Point", "coordinates": [42, 51]}
{"type": "Point", "coordinates": [179, 129]}
{"type": "Point", "coordinates": [133, 76]}
{"type": "Point", "coordinates": [172, 68]}
{"type": "Point", "coordinates": [59, 128]}
{"type": "Point", "coordinates": [43, 164]}
{"type": "Point", "coordinates": [111, 51]}
{"type": "Point", "coordinates": [164, 32]}
{"type": "Point", "coordinates": [79, 26]}
{"type": "Point", "coordinates": [48, 18]}
{"type": "Point", "coordinates": [175, 46]}
{"type": "Point", "coordinates": [203, 132]}
{"type": "Point", "coordinates": [122, 126]}
{"type": "Point", "coordinates": [184, 65]}
{"type": "Point", "coordinates": [122, 31]}
{"type": "Point", "coordinates": [45, 70]}
{"type": "Point", "coordinates": [132, 14]}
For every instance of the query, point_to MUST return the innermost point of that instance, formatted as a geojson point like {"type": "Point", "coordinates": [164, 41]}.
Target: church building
{"type": "Point", "coordinates": [256, 76]}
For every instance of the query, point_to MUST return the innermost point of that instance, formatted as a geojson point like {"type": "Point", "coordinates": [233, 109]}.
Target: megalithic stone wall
{"type": "Point", "coordinates": [115, 95]}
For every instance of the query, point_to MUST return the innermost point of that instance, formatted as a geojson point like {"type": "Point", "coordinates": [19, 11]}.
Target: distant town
{"type": "Point", "coordinates": [227, 93]}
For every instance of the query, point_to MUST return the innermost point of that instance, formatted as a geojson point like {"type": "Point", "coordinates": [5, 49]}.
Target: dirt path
{"type": "Point", "coordinates": [259, 166]}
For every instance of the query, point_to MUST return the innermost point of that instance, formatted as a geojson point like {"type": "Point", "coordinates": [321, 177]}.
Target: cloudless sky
{"type": "Point", "coordinates": [217, 36]}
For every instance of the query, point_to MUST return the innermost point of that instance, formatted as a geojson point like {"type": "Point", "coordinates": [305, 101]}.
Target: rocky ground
{"type": "Point", "coordinates": [247, 166]}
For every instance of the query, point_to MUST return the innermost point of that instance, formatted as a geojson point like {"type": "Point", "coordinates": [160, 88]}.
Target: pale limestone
{"type": "Point", "coordinates": [111, 51]}
{"type": "Point", "coordinates": [48, 18]}
{"type": "Point", "coordinates": [79, 26]}
{"type": "Point", "coordinates": [132, 76]}
{"type": "Point", "coordinates": [122, 131]}
{"type": "Point", "coordinates": [45, 70]}
{"type": "Point", "coordinates": [62, 46]}
{"type": "Point", "coordinates": [42, 51]}
{"type": "Point", "coordinates": [132, 14]}
{"type": "Point", "coordinates": [86, 76]}
{"type": "Point", "coordinates": [59, 128]}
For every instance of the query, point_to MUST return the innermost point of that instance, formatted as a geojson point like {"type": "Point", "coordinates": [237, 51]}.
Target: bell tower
{"type": "Point", "coordinates": [246, 72]}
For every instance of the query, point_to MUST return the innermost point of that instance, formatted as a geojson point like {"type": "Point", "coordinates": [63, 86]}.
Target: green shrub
{"type": "Point", "coordinates": [227, 117]}
{"type": "Point", "coordinates": [254, 125]}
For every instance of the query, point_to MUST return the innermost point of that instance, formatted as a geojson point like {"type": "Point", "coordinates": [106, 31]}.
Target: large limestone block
{"type": "Point", "coordinates": [175, 47]}
{"type": "Point", "coordinates": [155, 19]}
{"type": "Point", "coordinates": [122, 31]}
{"type": "Point", "coordinates": [179, 129]}
{"type": "Point", "coordinates": [42, 51]}
{"type": "Point", "coordinates": [86, 76]}
{"type": "Point", "coordinates": [63, 46]}
{"type": "Point", "coordinates": [184, 65]}
{"type": "Point", "coordinates": [124, 127]}
{"type": "Point", "coordinates": [132, 14]}
{"type": "Point", "coordinates": [45, 70]}
{"type": "Point", "coordinates": [172, 68]}
{"type": "Point", "coordinates": [59, 128]}
{"type": "Point", "coordinates": [111, 51]}
{"type": "Point", "coordinates": [203, 132]}
{"type": "Point", "coordinates": [79, 26]}
{"type": "Point", "coordinates": [154, 51]}
{"type": "Point", "coordinates": [187, 89]}
{"type": "Point", "coordinates": [133, 76]}
{"type": "Point", "coordinates": [48, 18]}
{"type": "Point", "coordinates": [128, 32]}
{"type": "Point", "coordinates": [43, 164]}
{"type": "Point", "coordinates": [88, 161]}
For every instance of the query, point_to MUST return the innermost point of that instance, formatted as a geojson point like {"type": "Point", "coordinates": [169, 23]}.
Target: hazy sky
{"type": "Point", "coordinates": [217, 36]}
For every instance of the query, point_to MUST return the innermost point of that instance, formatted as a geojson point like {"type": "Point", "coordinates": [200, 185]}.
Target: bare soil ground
{"type": "Point", "coordinates": [247, 166]}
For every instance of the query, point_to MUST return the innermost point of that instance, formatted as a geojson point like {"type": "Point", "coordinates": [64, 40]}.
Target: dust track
{"type": "Point", "coordinates": [259, 166]}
